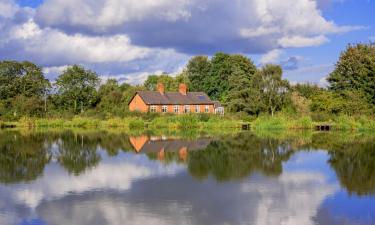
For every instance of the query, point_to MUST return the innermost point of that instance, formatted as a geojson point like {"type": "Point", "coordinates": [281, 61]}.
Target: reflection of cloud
{"type": "Point", "coordinates": [134, 190]}
{"type": "Point", "coordinates": [294, 200]}
{"type": "Point", "coordinates": [104, 210]}
{"type": "Point", "coordinates": [117, 176]}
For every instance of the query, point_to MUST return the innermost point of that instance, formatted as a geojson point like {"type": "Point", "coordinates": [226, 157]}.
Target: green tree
{"type": "Point", "coordinates": [197, 70]}
{"type": "Point", "coordinates": [306, 90]}
{"type": "Point", "coordinates": [355, 70]}
{"type": "Point", "coordinates": [239, 89]}
{"type": "Point", "coordinates": [22, 78]}
{"type": "Point", "coordinates": [345, 102]}
{"type": "Point", "coordinates": [76, 89]}
{"type": "Point", "coordinates": [273, 89]}
{"type": "Point", "coordinates": [151, 82]}
{"type": "Point", "coordinates": [110, 95]}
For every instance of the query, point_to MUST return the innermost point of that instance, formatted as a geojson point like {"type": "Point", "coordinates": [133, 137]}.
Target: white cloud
{"type": "Point", "coordinates": [7, 8]}
{"type": "Point", "coordinates": [117, 176]}
{"type": "Point", "coordinates": [133, 37]}
{"type": "Point", "coordinates": [323, 82]}
{"type": "Point", "coordinates": [299, 41]}
{"type": "Point", "coordinates": [75, 48]}
{"type": "Point", "coordinates": [187, 24]}
{"type": "Point", "coordinates": [301, 194]}
{"type": "Point", "coordinates": [271, 57]}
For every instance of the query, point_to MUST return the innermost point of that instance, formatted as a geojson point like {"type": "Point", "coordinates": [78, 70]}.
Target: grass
{"type": "Point", "coordinates": [284, 122]}
{"type": "Point", "coordinates": [177, 122]}
{"type": "Point", "coordinates": [203, 122]}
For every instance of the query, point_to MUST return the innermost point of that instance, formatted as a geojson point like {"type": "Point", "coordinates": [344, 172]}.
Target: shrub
{"type": "Point", "coordinates": [136, 123]}
{"type": "Point", "coordinates": [26, 122]}
{"type": "Point", "coordinates": [302, 123]}
{"type": "Point", "coordinates": [344, 122]}
{"type": "Point", "coordinates": [268, 123]}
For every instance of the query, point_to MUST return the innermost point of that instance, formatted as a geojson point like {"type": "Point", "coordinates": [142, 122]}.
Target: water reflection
{"type": "Point", "coordinates": [98, 177]}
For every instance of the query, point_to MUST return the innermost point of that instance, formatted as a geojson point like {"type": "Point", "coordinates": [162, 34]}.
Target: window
{"type": "Point", "coordinates": [153, 108]}
{"type": "Point", "coordinates": [175, 109]}
{"type": "Point", "coordinates": [219, 110]}
{"type": "Point", "coordinates": [197, 109]}
{"type": "Point", "coordinates": [207, 109]}
{"type": "Point", "coordinates": [186, 109]}
{"type": "Point", "coordinates": [164, 108]}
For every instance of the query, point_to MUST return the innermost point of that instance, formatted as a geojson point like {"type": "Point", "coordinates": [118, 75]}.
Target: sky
{"type": "Point", "coordinates": [130, 39]}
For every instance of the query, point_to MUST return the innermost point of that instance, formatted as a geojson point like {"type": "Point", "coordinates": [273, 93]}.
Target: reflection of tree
{"type": "Point", "coordinates": [239, 156]}
{"type": "Point", "coordinates": [22, 157]}
{"type": "Point", "coordinates": [77, 153]}
{"type": "Point", "coordinates": [354, 164]}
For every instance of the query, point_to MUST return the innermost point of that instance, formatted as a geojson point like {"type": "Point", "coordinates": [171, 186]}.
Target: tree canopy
{"type": "Point", "coordinates": [355, 71]}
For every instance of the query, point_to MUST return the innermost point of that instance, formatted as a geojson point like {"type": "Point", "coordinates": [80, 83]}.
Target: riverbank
{"type": "Point", "coordinates": [199, 122]}
{"type": "Point", "coordinates": [342, 123]}
{"type": "Point", "coordinates": [180, 122]}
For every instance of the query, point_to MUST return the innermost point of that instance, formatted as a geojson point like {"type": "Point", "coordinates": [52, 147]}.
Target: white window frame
{"type": "Point", "coordinates": [207, 109]}
{"type": "Point", "coordinates": [187, 109]}
{"type": "Point", "coordinates": [197, 109]}
{"type": "Point", "coordinates": [176, 109]}
{"type": "Point", "coordinates": [164, 109]}
{"type": "Point", "coordinates": [153, 108]}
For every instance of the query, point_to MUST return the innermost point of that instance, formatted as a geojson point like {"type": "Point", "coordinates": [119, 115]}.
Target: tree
{"type": "Point", "coordinates": [273, 89]}
{"type": "Point", "coordinates": [22, 78]}
{"type": "Point", "coordinates": [151, 82]}
{"type": "Point", "coordinates": [197, 71]}
{"type": "Point", "coordinates": [110, 95]}
{"type": "Point", "coordinates": [239, 90]}
{"type": "Point", "coordinates": [346, 102]}
{"type": "Point", "coordinates": [76, 88]}
{"type": "Point", "coordinates": [355, 70]}
{"type": "Point", "coordinates": [306, 90]}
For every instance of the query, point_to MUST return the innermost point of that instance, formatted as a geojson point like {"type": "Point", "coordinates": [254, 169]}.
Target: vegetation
{"type": "Point", "coordinates": [79, 99]}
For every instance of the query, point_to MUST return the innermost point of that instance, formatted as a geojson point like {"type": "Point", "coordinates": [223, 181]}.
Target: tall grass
{"type": "Point", "coordinates": [270, 123]}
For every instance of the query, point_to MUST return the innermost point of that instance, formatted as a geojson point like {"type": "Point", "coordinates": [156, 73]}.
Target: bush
{"type": "Point", "coordinates": [366, 124]}
{"type": "Point", "coordinates": [344, 122]}
{"type": "Point", "coordinates": [50, 123]}
{"type": "Point", "coordinates": [268, 123]}
{"type": "Point", "coordinates": [136, 123]}
{"type": "Point", "coordinates": [302, 123]}
{"type": "Point", "coordinates": [83, 122]}
{"type": "Point", "coordinates": [26, 122]}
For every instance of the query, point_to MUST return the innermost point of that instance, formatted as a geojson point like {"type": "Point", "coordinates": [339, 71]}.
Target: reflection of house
{"type": "Point", "coordinates": [160, 145]}
{"type": "Point", "coordinates": [173, 102]}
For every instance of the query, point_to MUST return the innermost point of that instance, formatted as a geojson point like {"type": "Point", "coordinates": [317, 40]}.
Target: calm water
{"type": "Point", "coordinates": [88, 178]}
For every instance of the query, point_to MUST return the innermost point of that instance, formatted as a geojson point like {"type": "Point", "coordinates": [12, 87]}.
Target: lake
{"type": "Point", "coordinates": [86, 177]}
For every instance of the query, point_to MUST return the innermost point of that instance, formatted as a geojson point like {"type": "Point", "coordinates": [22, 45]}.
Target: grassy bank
{"type": "Point", "coordinates": [179, 122]}
{"type": "Point", "coordinates": [342, 123]}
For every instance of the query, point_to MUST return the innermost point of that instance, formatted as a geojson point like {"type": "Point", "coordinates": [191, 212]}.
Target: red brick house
{"type": "Point", "coordinates": [174, 102]}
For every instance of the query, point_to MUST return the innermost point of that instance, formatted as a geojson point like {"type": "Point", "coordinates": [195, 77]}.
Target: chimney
{"type": "Point", "coordinates": [182, 89]}
{"type": "Point", "coordinates": [160, 88]}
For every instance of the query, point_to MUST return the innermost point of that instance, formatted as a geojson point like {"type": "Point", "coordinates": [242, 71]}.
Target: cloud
{"type": "Point", "coordinates": [192, 26]}
{"type": "Point", "coordinates": [292, 63]}
{"type": "Point", "coordinates": [131, 38]}
{"type": "Point", "coordinates": [117, 176]}
{"type": "Point", "coordinates": [310, 73]}
{"type": "Point", "coordinates": [7, 8]}
{"type": "Point", "coordinates": [299, 41]}
{"type": "Point", "coordinates": [271, 57]}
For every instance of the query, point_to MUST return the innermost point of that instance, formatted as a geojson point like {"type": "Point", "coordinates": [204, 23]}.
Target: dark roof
{"type": "Point", "coordinates": [174, 98]}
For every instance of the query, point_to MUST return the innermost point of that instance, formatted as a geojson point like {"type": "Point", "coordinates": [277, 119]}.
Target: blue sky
{"type": "Point", "coordinates": [128, 40]}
